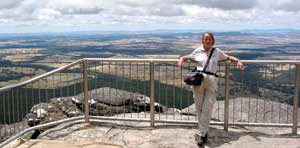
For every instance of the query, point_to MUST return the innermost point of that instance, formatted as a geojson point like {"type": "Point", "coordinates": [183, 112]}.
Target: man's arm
{"type": "Point", "coordinates": [182, 60]}
{"type": "Point", "coordinates": [238, 62]}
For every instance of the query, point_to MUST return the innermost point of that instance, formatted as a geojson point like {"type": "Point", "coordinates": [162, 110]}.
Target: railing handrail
{"type": "Point", "coordinates": [39, 76]}
{"type": "Point", "coordinates": [175, 60]}
{"type": "Point", "coordinates": [130, 60]}
{"type": "Point", "coordinates": [271, 61]}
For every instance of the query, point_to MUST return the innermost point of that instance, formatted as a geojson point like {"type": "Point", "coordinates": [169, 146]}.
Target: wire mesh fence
{"type": "Point", "coordinates": [121, 89]}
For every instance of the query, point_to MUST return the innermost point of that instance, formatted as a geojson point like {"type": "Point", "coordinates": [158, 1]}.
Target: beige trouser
{"type": "Point", "coordinates": [205, 98]}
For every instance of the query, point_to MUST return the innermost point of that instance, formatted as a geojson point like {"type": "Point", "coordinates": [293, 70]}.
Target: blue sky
{"type": "Point", "coordinates": [21, 16]}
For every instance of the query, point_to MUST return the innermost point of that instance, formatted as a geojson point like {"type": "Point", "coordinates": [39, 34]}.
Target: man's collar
{"type": "Point", "coordinates": [202, 49]}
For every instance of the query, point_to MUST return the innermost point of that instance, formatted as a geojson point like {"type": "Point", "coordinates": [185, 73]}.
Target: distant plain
{"type": "Point", "coordinates": [26, 55]}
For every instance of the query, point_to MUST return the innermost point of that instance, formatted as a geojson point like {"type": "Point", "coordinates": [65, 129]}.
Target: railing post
{"type": "Point", "coordinates": [152, 94]}
{"type": "Point", "coordinates": [296, 100]}
{"type": "Point", "coordinates": [85, 91]}
{"type": "Point", "coordinates": [226, 104]}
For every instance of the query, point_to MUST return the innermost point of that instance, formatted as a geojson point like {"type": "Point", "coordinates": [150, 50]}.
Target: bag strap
{"type": "Point", "coordinates": [210, 54]}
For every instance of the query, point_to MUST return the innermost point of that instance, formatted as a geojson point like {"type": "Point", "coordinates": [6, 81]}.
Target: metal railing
{"type": "Point", "coordinates": [150, 90]}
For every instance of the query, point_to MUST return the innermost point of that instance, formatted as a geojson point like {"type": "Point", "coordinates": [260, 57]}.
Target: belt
{"type": "Point", "coordinates": [209, 73]}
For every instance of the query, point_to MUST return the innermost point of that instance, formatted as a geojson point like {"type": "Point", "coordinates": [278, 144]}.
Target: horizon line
{"type": "Point", "coordinates": [151, 30]}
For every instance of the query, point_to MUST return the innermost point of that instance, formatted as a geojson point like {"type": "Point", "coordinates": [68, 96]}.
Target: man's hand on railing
{"type": "Point", "coordinates": [181, 61]}
{"type": "Point", "coordinates": [240, 65]}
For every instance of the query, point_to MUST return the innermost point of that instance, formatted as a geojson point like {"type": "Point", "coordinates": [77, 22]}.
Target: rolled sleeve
{"type": "Point", "coordinates": [222, 55]}
{"type": "Point", "coordinates": [193, 56]}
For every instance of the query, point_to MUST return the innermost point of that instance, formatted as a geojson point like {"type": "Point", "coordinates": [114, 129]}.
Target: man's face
{"type": "Point", "coordinates": [207, 41]}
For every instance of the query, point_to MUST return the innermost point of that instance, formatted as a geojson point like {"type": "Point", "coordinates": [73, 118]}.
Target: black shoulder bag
{"type": "Point", "coordinates": [196, 77]}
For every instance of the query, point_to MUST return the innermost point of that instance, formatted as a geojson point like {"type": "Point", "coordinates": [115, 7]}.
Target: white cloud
{"type": "Point", "coordinates": [76, 6]}
{"type": "Point", "coordinates": [139, 3]}
{"type": "Point", "coordinates": [7, 4]}
{"type": "Point", "coordinates": [222, 4]}
{"type": "Point", "coordinates": [47, 14]}
{"type": "Point", "coordinates": [151, 13]}
{"type": "Point", "coordinates": [288, 5]}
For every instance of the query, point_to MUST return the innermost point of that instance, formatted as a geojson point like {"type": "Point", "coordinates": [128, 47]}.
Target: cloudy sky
{"type": "Point", "coordinates": [17, 16]}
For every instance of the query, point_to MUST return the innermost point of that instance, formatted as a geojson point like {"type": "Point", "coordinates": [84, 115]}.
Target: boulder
{"type": "Point", "coordinates": [242, 109]}
{"type": "Point", "coordinates": [41, 110]}
{"type": "Point", "coordinates": [116, 97]}
{"type": "Point", "coordinates": [190, 110]}
{"type": "Point", "coordinates": [32, 119]}
{"type": "Point", "coordinates": [100, 109]}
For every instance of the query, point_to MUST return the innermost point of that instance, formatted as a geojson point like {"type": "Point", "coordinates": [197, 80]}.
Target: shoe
{"type": "Point", "coordinates": [198, 139]}
{"type": "Point", "coordinates": [201, 140]}
{"type": "Point", "coordinates": [204, 138]}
